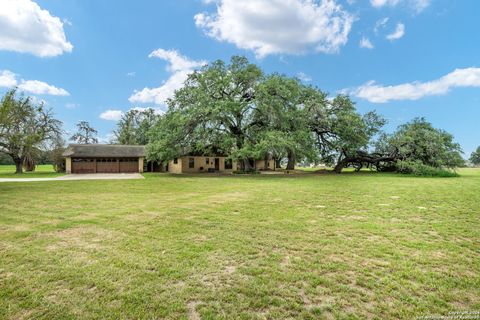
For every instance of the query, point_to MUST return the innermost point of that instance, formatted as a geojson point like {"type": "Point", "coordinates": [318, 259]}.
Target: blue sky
{"type": "Point", "coordinates": [92, 60]}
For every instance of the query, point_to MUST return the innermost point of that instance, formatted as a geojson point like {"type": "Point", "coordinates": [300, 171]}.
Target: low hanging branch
{"type": "Point", "coordinates": [376, 160]}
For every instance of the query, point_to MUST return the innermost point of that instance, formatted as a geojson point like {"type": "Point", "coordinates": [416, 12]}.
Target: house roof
{"type": "Point", "coordinates": [104, 151]}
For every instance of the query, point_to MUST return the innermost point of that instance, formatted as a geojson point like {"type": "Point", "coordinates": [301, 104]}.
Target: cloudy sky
{"type": "Point", "coordinates": [93, 60]}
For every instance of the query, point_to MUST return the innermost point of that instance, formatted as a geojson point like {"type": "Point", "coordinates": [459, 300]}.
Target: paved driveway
{"type": "Point", "coordinates": [96, 176]}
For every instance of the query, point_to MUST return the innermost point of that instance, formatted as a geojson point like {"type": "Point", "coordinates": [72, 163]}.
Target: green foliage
{"type": "Point", "coordinates": [85, 133]}
{"type": "Point", "coordinates": [135, 125]}
{"type": "Point", "coordinates": [340, 131]}
{"type": "Point", "coordinates": [25, 128]}
{"type": "Point", "coordinates": [5, 159]}
{"type": "Point", "coordinates": [237, 111]}
{"type": "Point", "coordinates": [475, 157]}
{"type": "Point", "coordinates": [417, 168]}
{"type": "Point", "coordinates": [418, 140]}
{"type": "Point", "coordinates": [284, 127]}
{"type": "Point", "coordinates": [56, 155]}
{"type": "Point", "coordinates": [213, 113]}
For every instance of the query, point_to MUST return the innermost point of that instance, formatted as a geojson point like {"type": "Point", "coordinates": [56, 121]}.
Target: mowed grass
{"type": "Point", "coordinates": [41, 171]}
{"type": "Point", "coordinates": [312, 246]}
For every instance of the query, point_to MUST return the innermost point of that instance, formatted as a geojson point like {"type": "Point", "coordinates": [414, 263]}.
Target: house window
{"type": "Point", "coordinates": [207, 161]}
{"type": "Point", "coordinates": [175, 160]}
{"type": "Point", "coordinates": [228, 164]}
{"type": "Point", "coordinates": [191, 163]}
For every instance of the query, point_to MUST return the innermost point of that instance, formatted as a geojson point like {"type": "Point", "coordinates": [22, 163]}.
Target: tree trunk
{"type": "Point", "coordinates": [291, 161]}
{"type": "Point", "coordinates": [18, 166]}
{"type": "Point", "coordinates": [340, 165]}
{"type": "Point", "coordinates": [246, 165]}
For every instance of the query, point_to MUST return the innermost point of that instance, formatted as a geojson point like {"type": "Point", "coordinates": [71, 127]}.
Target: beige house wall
{"type": "Point", "coordinates": [68, 165]}
{"type": "Point", "coordinates": [200, 165]}
{"type": "Point", "coordinates": [260, 164]}
{"type": "Point", "coordinates": [175, 167]}
{"type": "Point", "coordinates": [140, 164]}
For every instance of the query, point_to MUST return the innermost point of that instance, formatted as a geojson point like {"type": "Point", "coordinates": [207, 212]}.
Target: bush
{"type": "Point", "coordinates": [417, 168]}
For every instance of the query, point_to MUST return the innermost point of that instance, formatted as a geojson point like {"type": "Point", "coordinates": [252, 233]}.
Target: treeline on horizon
{"type": "Point", "coordinates": [236, 109]}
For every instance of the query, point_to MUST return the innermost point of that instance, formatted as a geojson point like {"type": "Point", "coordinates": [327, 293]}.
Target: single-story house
{"type": "Point", "coordinates": [197, 164]}
{"type": "Point", "coordinates": [104, 158]}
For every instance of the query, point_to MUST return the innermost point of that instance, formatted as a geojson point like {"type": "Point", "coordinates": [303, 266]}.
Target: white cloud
{"type": "Point", "coordinates": [468, 77]}
{"type": "Point", "coordinates": [420, 5]}
{"type": "Point", "coordinates": [26, 28]}
{"type": "Point", "coordinates": [398, 33]}
{"type": "Point", "coordinates": [366, 43]}
{"type": "Point", "coordinates": [179, 66]}
{"type": "Point", "coordinates": [111, 115]}
{"type": "Point", "coordinates": [279, 26]}
{"type": "Point", "coordinates": [417, 5]}
{"type": "Point", "coordinates": [381, 3]}
{"type": "Point", "coordinates": [131, 74]}
{"type": "Point", "coordinates": [176, 62]}
{"type": "Point", "coordinates": [40, 87]}
{"type": "Point", "coordinates": [304, 77]}
{"type": "Point", "coordinates": [8, 79]}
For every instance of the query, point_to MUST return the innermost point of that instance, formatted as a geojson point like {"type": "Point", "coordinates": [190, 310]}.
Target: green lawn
{"type": "Point", "coordinates": [41, 171]}
{"type": "Point", "coordinates": [312, 246]}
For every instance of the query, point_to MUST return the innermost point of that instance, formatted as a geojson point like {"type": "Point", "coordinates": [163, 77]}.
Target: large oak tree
{"type": "Point", "coordinates": [25, 127]}
{"type": "Point", "coordinates": [214, 112]}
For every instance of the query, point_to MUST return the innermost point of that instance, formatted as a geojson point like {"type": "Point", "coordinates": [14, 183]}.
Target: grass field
{"type": "Point", "coordinates": [312, 246]}
{"type": "Point", "coordinates": [41, 171]}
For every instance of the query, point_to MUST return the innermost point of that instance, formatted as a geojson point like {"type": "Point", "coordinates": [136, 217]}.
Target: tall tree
{"type": "Point", "coordinates": [216, 108]}
{"type": "Point", "coordinates": [341, 133]}
{"type": "Point", "coordinates": [24, 127]}
{"type": "Point", "coordinates": [85, 133]}
{"type": "Point", "coordinates": [134, 126]}
{"type": "Point", "coordinates": [475, 157]}
{"type": "Point", "coordinates": [284, 131]}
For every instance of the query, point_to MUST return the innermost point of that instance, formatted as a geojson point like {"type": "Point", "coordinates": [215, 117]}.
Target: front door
{"type": "Point", "coordinates": [217, 164]}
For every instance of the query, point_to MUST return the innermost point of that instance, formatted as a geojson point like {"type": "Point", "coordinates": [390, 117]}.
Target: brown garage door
{"type": "Point", "coordinates": [83, 166]}
{"type": "Point", "coordinates": [128, 165]}
{"type": "Point", "coordinates": [107, 165]}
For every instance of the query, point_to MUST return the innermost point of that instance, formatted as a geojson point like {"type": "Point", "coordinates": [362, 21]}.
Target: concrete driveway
{"type": "Point", "coordinates": [68, 177]}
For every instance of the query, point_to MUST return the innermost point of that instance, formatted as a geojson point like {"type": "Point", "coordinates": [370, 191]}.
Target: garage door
{"type": "Point", "coordinates": [107, 166]}
{"type": "Point", "coordinates": [128, 165]}
{"type": "Point", "coordinates": [83, 166]}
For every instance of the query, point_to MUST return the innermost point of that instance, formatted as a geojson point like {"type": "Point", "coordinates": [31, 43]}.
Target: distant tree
{"type": "Point", "coordinates": [5, 159]}
{"type": "Point", "coordinates": [475, 157]}
{"type": "Point", "coordinates": [134, 126]}
{"type": "Point", "coordinates": [24, 127]}
{"type": "Point", "coordinates": [85, 134]}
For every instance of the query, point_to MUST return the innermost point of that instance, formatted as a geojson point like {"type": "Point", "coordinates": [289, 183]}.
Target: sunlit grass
{"type": "Point", "coordinates": [309, 246]}
{"type": "Point", "coordinates": [41, 171]}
